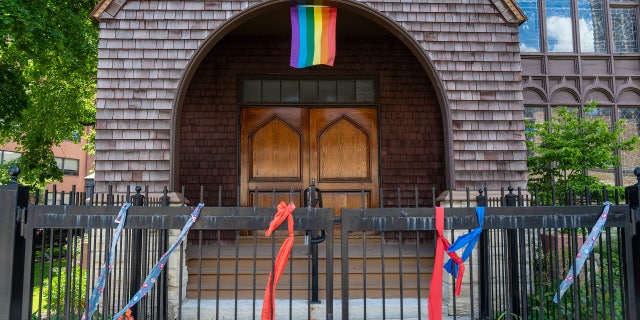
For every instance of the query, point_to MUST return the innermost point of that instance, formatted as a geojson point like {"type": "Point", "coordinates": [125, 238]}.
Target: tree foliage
{"type": "Point", "coordinates": [563, 149]}
{"type": "Point", "coordinates": [48, 65]}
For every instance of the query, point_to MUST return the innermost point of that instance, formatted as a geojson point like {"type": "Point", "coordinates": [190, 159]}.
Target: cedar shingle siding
{"type": "Point", "coordinates": [449, 75]}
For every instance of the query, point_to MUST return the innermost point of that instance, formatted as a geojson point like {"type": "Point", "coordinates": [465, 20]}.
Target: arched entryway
{"type": "Point", "coordinates": [237, 129]}
{"type": "Point", "coordinates": [411, 132]}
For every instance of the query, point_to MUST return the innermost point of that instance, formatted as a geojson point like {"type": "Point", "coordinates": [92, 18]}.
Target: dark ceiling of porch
{"type": "Point", "coordinates": [275, 21]}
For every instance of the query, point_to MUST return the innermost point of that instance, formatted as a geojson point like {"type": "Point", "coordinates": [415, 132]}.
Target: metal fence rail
{"type": "Point", "coordinates": [380, 266]}
{"type": "Point", "coordinates": [74, 233]}
{"type": "Point", "coordinates": [526, 252]}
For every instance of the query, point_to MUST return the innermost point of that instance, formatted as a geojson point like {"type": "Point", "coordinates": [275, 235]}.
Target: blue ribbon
{"type": "Point", "coordinates": [584, 252]}
{"type": "Point", "coordinates": [108, 264]}
{"type": "Point", "coordinates": [152, 278]}
{"type": "Point", "coordinates": [469, 240]}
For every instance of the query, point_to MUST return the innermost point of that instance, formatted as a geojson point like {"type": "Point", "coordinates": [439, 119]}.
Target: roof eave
{"type": "Point", "coordinates": [99, 9]}
{"type": "Point", "coordinates": [517, 12]}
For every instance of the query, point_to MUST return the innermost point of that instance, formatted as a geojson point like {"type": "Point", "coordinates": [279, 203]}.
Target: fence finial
{"type": "Point", "coordinates": [14, 172]}
{"type": "Point", "coordinates": [510, 198]}
{"type": "Point", "coordinates": [481, 200]}
{"type": "Point", "coordinates": [164, 200]}
{"type": "Point", "coordinates": [137, 199]}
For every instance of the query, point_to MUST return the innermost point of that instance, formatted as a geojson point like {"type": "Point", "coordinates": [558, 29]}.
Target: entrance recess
{"type": "Point", "coordinates": [287, 147]}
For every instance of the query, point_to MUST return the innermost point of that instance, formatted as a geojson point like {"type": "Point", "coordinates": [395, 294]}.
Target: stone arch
{"type": "Point", "coordinates": [564, 94]}
{"type": "Point", "coordinates": [628, 95]}
{"type": "Point", "coordinates": [361, 9]}
{"type": "Point", "coordinates": [534, 94]}
{"type": "Point", "coordinates": [598, 93]}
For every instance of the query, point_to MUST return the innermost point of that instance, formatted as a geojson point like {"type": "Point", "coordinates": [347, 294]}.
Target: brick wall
{"type": "Point", "coordinates": [410, 125]}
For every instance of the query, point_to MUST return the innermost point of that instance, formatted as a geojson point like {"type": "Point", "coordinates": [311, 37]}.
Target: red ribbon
{"type": "Point", "coordinates": [284, 212]}
{"type": "Point", "coordinates": [435, 288]}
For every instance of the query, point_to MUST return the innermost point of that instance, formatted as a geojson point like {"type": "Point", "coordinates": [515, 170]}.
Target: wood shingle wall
{"type": "Point", "coordinates": [146, 48]}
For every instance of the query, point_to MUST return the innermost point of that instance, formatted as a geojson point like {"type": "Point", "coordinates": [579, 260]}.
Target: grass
{"type": "Point", "coordinates": [50, 280]}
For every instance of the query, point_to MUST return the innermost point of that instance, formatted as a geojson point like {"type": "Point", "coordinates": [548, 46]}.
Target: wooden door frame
{"type": "Point", "coordinates": [245, 185]}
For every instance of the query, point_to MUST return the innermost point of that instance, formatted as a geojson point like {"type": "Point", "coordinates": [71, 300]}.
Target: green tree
{"type": "Point", "coordinates": [564, 148]}
{"type": "Point", "coordinates": [48, 66]}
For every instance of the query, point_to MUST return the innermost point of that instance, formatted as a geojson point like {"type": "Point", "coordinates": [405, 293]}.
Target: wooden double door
{"type": "Point", "coordinates": [286, 148]}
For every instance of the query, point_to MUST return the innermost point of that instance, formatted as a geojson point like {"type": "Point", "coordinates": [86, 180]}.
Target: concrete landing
{"type": "Point", "coordinates": [299, 309]}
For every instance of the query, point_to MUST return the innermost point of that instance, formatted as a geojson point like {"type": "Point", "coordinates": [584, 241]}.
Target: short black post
{"type": "Point", "coordinates": [136, 253]}
{"type": "Point", "coordinates": [513, 263]}
{"type": "Point", "coordinates": [164, 200]}
{"type": "Point", "coordinates": [485, 275]}
{"type": "Point", "coordinates": [14, 200]}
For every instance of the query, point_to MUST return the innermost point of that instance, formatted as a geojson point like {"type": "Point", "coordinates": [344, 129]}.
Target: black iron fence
{"type": "Point", "coordinates": [373, 262]}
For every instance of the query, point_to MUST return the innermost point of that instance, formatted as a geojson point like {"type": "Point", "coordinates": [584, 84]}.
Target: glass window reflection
{"type": "Point", "coordinates": [530, 30]}
{"type": "Point", "coordinates": [559, 26]}
{"type": "Point", "coordinates": [592, 26]}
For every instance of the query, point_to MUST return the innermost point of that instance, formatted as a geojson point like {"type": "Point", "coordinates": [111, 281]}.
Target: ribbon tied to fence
{"type": "Point", "coordinates": [108, 264]}
{"type": "Point", "coordinates": [284, 212]}
{"type": "Point", "coordinates": [153, 275]}
{"type": "Point", "coordinates": [584, 252]}
{"type": "Point", "coordinates": [468, 241]}
{"type": "Point", "coordinates": [435, 289]}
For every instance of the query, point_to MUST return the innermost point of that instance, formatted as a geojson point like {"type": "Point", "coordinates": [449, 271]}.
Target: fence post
{"type": "Point", "coordinates": [632, 234]}
{"type": "Point", "coordinates": [136, 253]}
{"type": "Point", "coordinates": [14, 200]}
{"type": "Point", "coordinates": [512, 258]}
{"type": "Point", "coordinates": [485, 276]}
{"type": "Point", "coordinates": [313, 199]}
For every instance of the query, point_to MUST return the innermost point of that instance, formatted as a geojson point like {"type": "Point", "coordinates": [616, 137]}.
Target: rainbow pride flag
{"type": "Point", "coordinates": [313, 35]}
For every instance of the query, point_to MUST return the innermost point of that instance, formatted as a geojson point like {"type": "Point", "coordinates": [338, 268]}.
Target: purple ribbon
{"type": "Point", "coordinates": [152, 278]}
{"type": "Point", "coordinates": [108, 264]}
{"type": "Point", "coordinates": [584, 252]}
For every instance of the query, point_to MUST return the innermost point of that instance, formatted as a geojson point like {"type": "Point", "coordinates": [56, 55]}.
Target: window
{"type": "Point", "coordinates": [533, 115]}
{"type": "Point", "coordinates": [6, 156]}
{"type": "Point", "coordinates": [592, 26]}
{"type": "Point", "coordinates": [530, 30]}
{"type": "Point", "coordinates": [559, 26]}
{"type": "Point", "coordinates": [625, 30]}
{"type": "Point", "coordinates": [267, 90]}
{"type": "Point", "coordinates": [69, 167]}
{"type": "Point", "coordinates": [629, 160]}
{"type": "Point", "coordinates": [585, 23]}
{"type": "Point", "coordinates": [606, 114]}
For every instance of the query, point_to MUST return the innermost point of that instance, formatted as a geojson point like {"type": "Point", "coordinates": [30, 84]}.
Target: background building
{"type": "Point", "coordinates": [574, 52]}
{"type": "Point", "coordinates": [74, 162]}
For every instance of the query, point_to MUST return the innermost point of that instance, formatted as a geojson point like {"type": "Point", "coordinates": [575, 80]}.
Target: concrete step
{"type": "Point", "coordinates": [390, 269]}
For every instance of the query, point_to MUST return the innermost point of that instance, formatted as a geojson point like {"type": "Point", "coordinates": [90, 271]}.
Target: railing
{"type": "Point", "coordinates": [377, 266]}
{"type": "Point", "coordinates": [527, 251]}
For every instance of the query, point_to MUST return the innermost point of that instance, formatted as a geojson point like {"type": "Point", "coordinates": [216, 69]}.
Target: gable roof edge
{"type": "Point", "coordinates": [510, 10]}
{"type": "Point", "coordinates": [110, 7]}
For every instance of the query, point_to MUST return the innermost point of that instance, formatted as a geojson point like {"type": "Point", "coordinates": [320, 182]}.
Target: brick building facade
{"type": "Point", "coordinates": [447, 73]}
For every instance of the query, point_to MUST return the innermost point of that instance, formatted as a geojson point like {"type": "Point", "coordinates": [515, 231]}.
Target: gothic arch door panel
{"type": "Point", "coordinates": [285, 148]}
{"type": "Point", "coordinates": [273, 156]}
{"type": "Point", "coordinates": [344, 156]}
